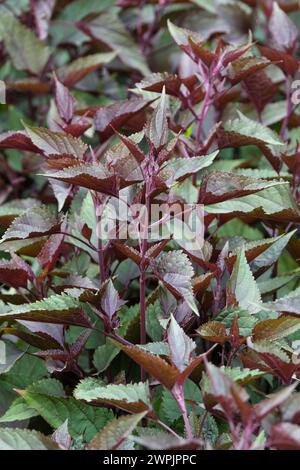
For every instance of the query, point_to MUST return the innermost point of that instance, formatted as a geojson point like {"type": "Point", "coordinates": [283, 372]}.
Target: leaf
{"type": "Point", "coordinates": [42, 11]}
{"type": "Point", "coordinates": [175, 270]}
{"type": "Point", "coordinates": [165, 373]}
{"type": "Point", "coordinates": [13, 274]}
{"type": "Point", "coordinates": [18, 411]}
{"type": "Point", "coordinates": [83, 420]}
{"type": "Point", "coordinates": [179, 169]}
{"type": "Point", "coordinates": [59, 309]}
{"type": "Point", "coordinates": [264, 407]}
{"type": "Point", "coordinates": [213, 331]}
{"type": "Point", "coordinates": [64, 101]}
{"type": "Point", "coordinates": [181, 346]}
{"type": "Point", "coordinates": [108, 29]}
{"type": "Point", "coordinates": [93, 176]}
{"type": "Point", "coordinates": [115, 432]}
{"type": "Point", "coordinates": [22, 439]}
{"type": "Point", "coordinates": [231, 396]}
{"type": "Point", "coordinates": [104, 355]}
{"type": "Point", "coordinates": [284, 32]}
{"type": "Point", "coordinates": [11, 355]}
{"type": "Point", "coordinates": [110, 301]}
{"type": "Point", "coordinates": [274, 203]}
{"type": "Point", "coordinates": [32, 223]}
{"type": "Point", "coordinates": [288, 304]}
{"type": "Point", "coordinates": [56, 143]}
{"type": "Point", "coordinates": [62, 437]}
{"type": "Point", "coordinates": [134, 398]}
{"type": "Point", "coordinates": [275, 329]}
{"type": "Point", "coordinates": [157, 129]}
{"type": "Point", "coordinates": [118, 114]}
{"type": "Point", "coordinates": [242, 285]}
{"type": "Point", "coordinates": [26, 51]}
{"type": "Point", "coordinates": [77, 70]}
{"type": "Point", "coordinates": [285, 436]}
{"type": "Point", "coordinates": [17, 140]}
{"type": "Point", "coordinates": [251, 132]}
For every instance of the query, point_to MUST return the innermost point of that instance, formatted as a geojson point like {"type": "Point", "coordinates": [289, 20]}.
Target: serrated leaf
{"type": "Point", "coordinates": [22, 439]}
{"type": "Point", "coordinates": [275, 329]}
{"type": "Point", "coordinates": [175, 270]}
{"type": "Point", "coordinates": [60, 309]}
{"type": "Point", "coordinates": [157, 129]}
{"type": "Point", "coordinates": [18, 411]}
{"type": "Point", "coordinates": [213, 331]}
{"type": "Point", "coordinates": [56, 143]}
{"type": "Point", "coordinates": [134, 398]}
{"type": "Point", "coordinates": [83, 420]}
{"type": "Point", "coordinates": [176, 170]}
{"type": "Point", "coordinates": [181, 346]}
{"type": "Point", "coordinates": [117, 114]}
{"type": "Point", "coordinates": [115, 432]}
{"type": "Point", "coordinates": [242, 285]}
{"type": "Point", "coordinates": [32, 223]}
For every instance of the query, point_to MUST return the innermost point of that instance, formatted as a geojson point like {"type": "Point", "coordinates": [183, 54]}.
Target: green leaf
{"type": "Point", "coordinates": [83, 420]}
{"type": "Point", "coordinates": [181, 346]}
{"type": "Point", "coordinates": [60, 309]}
{"type": "Point", "coordinates": [158, 125]}
{"type": "Point", "coordinates": [18, 411]}
{"type": "Point", "coordinates": [27, 52]}
{"type": "Point", "coordinates": [22, 439]}
{"type": "Point", "coordinates": [253, 129]}
{"type": "Point", "coordinates": [242, 285]}
{"type": "Point", "coordinates": [275, 202]}
{"type": "Point", "coordinates": [115, 432]}
{"type": "Point", "coordinates": [180, 168]}
{"type": "Point", "coordinates": [109, 29]}
{"type": "Point", "coordinates": [246, 320]}
{"type": "Point", "coordinates": [104, 355]}
{"type": "Point", "coordinates": [10, 354]}
{"type": "Point", "coordinates": [131, 397]}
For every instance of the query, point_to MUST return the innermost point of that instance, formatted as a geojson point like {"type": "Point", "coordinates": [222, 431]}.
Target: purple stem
{"type": "Point", "coordinates": [178, 395]}
{"type": "Point", "coordinates": [289, 109]}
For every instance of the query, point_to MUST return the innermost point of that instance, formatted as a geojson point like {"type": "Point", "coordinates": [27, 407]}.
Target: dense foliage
{"type": "Point", "coordinates": [110, 342]}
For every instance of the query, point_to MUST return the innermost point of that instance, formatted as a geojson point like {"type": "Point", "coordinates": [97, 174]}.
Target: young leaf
{"type": "Point", "coordinates": [242, 287]}
{"type": "Point", "coordinates": [181, 346]}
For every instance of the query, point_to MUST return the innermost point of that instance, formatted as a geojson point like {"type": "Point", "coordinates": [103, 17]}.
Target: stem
{"type": "Point", "coordinates": [97, 205]}
{"type": "Point", "coordinates": [289, 110]}
{"type": "Point", "coordinates": [167, 428]}
{"type": "Point", "coordinates": [178, 395]}
{"type": "Point", "coordinates": [143, 248]}
{"type": "Point", "coordinates": [89, 245]}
